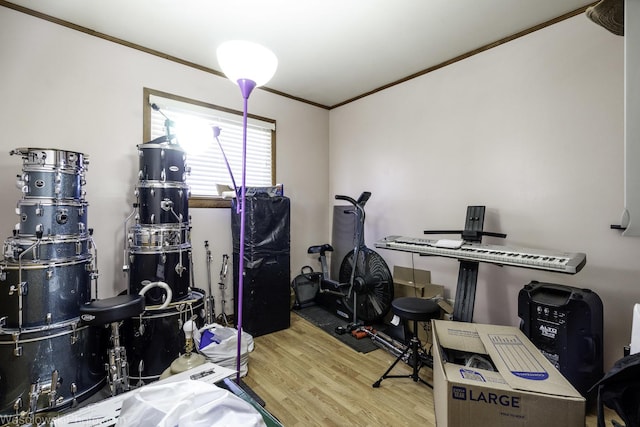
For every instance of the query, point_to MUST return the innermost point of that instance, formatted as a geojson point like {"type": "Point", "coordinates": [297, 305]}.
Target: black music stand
{"type": "Point", "coordinates": [468, 273]}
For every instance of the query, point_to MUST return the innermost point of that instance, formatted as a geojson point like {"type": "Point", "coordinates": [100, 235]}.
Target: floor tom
{"type": "Point", "coordinates": [43, 293]}
{"type": "Point", "coordinates": [169, 266]}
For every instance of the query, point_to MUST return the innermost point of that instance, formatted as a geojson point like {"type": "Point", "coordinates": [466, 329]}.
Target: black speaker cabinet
{"type": "Point", "coordinates": [565, 323]}
{"type": "Point", "coordinates": [266, 297]}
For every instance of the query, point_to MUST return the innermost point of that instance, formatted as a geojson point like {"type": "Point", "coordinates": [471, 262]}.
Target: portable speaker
{"type": "Point", "coordinates": [565, 323]}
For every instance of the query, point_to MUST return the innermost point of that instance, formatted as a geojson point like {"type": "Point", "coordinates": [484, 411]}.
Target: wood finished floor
{"type": "Point", "coordinates": [308, 378]}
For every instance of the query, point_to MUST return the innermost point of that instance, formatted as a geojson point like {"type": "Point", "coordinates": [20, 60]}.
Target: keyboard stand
{"type": "Point", "coordinates": [468, 273]}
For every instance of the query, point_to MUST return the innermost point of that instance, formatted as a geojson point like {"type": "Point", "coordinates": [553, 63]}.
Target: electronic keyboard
{"type": "Point", "coordinates": [562, 262]}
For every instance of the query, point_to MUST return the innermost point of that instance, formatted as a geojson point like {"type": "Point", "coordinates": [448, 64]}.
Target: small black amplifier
{"type": "Point", "coordinates": [565, 323]}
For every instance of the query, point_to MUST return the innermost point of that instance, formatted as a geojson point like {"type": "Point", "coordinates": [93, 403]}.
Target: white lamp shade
{"type": "Point", "coordinates": [247, 60]}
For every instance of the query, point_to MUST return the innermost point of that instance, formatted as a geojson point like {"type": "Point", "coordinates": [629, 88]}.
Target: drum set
{"type": "Point", "coordinates": [48, 358]}
{"type": "Point", "coordinates": [54, 338]}
{"type": "Point", "coordinates": [159, 262]}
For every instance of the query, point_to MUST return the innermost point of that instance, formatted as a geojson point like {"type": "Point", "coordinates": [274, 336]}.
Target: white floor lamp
{"type": "Point", "coordinates": [248, 65]}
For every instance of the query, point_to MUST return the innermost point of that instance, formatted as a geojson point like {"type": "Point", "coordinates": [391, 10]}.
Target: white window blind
{"type": "Point", "coordinates": [208, 168]}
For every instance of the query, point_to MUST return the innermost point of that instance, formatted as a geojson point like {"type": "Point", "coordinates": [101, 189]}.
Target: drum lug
{"type": "Point", "coordinates": [78, 247]}
{"type": "Point", "coordinates": [153, 218]}
{"type": "Point", "coordinates": [22, 289]}
{"type": "Point", "coordinates": [74, 390]}
{"type": "Point", "coordinates": [49, 273]}
{"type": "Point", "coordinates": [81, 227]}
{"type": "Point", "coordinates": [74, 335]}
{"type": "Point", "coordinates": [17, 405]}
{"type": "Point", "coordinates": [17, 351]}
{"type": "Point", "coordinates": [3, 322]}
{"type": "Point", "coordinates": [39, 210]}
{"type": "Point", "coordinates": [48, 318]}
{"type": "Point", "coordinates": [180, 269]}
{"type": "Point", "coordinates": [153, 190]}
{"type": "Point", "coordinates": [162, 175]}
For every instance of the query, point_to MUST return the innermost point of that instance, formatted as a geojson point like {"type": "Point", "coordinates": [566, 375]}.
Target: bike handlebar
{"type": "Point", "coordinates": [364, 197]}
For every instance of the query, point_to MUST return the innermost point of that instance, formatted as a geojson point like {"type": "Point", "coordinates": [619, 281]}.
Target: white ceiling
{"type": "Point", "coordinates": [329, 51]}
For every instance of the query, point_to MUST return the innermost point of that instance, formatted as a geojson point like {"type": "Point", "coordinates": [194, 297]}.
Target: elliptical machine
{"type": "Point", "coordinates": [364, 289]}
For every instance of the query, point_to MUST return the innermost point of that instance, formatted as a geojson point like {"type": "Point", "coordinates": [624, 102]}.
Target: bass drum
{"type": "Point", "coordinates": [30, 357]}
{"type": "Point", "coordinates": [162, 162]}
{"type": "Point", "coordinates": [52, 218]}
{"type": "Point", "coordinates": [51, 292]}
{"type": "Point", "coordinates": [171, 267]}
{"type": "Point", "coordinates": [155, 339]}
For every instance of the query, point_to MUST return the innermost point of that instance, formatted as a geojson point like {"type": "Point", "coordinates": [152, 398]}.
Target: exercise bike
{"type": "Point", "coordinates": [364, 289]}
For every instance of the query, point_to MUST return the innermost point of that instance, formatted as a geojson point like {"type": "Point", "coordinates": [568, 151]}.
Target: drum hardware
{"type": "Point", "coordinates": [17, 349]}
{"type": "Point", "coordinates": [223, 277]}
{"type": "Point", "coordinates": [209, 302]}
{"type": "Point", "coordinates": [113, 311]}
{"type": "Point", "coordinates": [146, 285]}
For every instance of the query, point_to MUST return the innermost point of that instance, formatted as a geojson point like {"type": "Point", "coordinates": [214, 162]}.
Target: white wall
{"type": "Point", "coordinates": [533, 130]}
{"type": "Point", "coordinates": [66, 90]}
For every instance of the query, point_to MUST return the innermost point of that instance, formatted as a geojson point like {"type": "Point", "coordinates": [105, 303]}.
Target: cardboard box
{"type": "Point", "coordinates": [413, 282]}
{"type": "Point", "coordinates": [525, 389]}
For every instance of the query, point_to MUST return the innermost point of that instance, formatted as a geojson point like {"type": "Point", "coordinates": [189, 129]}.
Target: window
{"type": "Point", "coordinates": [193, 121]}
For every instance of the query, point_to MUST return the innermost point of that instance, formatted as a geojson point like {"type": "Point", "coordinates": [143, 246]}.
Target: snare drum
{"type": "Point", "coordinates": [29, 358]}
{"type": "Point", "coordinates": [52, 159]}
{"type": "Point", "coordinates": [155, 238]}
{"type": "Point", "coordinates": [52, 218]}
{"type": "Point", "coordinates": [155, 339]}
{"type": "Point", "coordinates": [52, 184]}
{"type": "Point", "coordinates": [162, 162]}
{"type": "Point", "coordinates": [169, 266]}
{"type": "Point", "coordinates": [50, 292]}
{"type": "Point", "coordinates": [163, 203]}
{"type": "Point", "coordinates": [51, 248]}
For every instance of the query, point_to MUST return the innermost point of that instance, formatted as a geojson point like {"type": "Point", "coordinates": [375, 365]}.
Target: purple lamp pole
{"type": "Point", "coordinates": [248, 65]}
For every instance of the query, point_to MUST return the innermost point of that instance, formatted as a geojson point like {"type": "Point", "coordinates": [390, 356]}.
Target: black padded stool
{"type": "Point", "coordinates": [114, 310]}
{"type": "Point", "coordinates": [417, 310]}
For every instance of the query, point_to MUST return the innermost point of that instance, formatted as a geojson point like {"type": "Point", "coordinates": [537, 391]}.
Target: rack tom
{"type": "Point", "coordinates": [53, 218]}
{"type": "Point", "coordinates": [162, 162]}
{"type": "Point", "coordinates": [162, 203]}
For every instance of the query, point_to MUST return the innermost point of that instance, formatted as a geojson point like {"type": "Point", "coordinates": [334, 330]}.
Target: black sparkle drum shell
{"type": "Point", "coordinates": [52, 184]}
{"type": "Point", "coordinates": [169, 266]}
{"type": "Point", "coordinates": [50, 248]}
{"type": "Point", "coordinates": [52, 218]}
{"type": "Point", "coordinates": [52, 159]}
{"type": "Point", "coordinates": [155, 339]}
{"type": "Point", "coordinates": [162, 203]}
{"type": "Point", "coordinates": [162, 162]}
{"type": "Point", "coordinates": [78, 353]}
{"type": "Point", "coordinates": [52, 292]}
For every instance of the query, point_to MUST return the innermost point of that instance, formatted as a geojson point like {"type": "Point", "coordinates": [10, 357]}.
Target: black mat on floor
{"type": "Point", "coordinates": [328, 322]}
